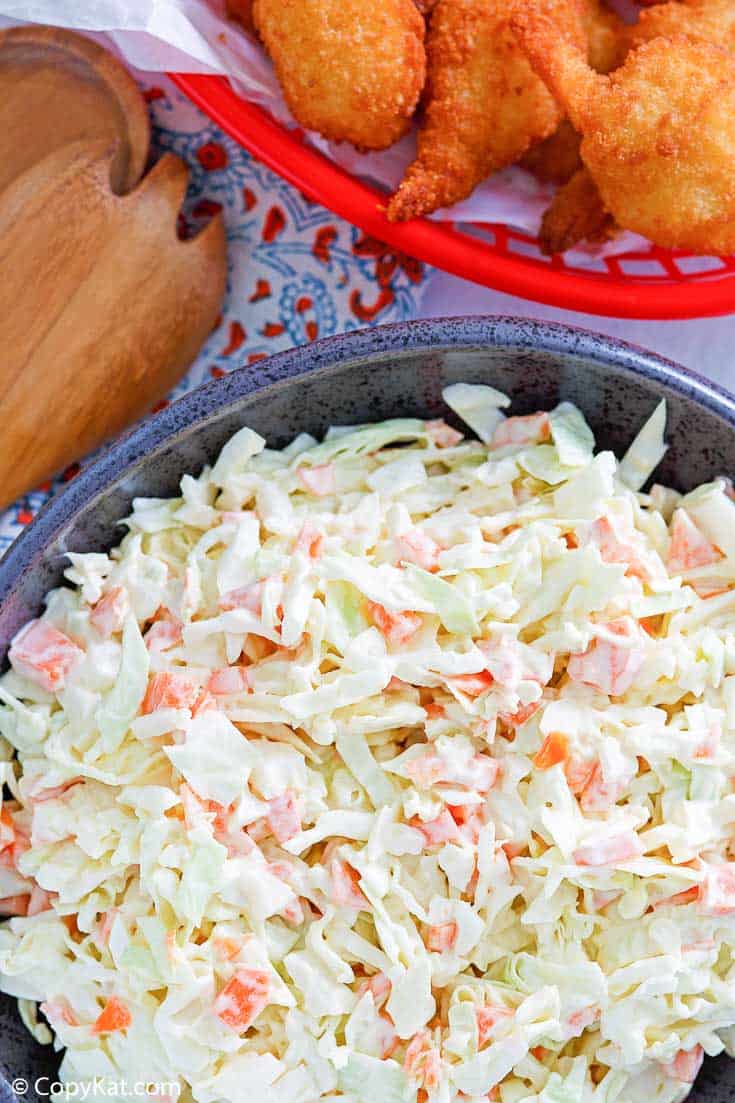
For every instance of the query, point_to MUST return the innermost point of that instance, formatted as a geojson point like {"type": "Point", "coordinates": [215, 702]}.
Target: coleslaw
{"type": "Point", "coordinates": [392, 768]}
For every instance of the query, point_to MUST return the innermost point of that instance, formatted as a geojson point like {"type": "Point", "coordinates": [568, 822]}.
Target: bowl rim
{"type": "Point", "coordinates": [206, 402]}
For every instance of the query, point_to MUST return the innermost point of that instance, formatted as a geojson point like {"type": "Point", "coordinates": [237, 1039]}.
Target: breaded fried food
{"type": "Point", "coordinates": [607, 36]}
{"type": "Point", "coordinates": [706, 20]}
{"type": "Point", "coordinates": [485, 106]}
{"type": "Point", "coordinates": [658, 134]}
{"type": "Point", "coordinates": [242, 12]}
{"type": "Point", "coordinates": [576, 213]}
{"type": "Point", "coordinates": [555, 159]}
{"type": "Point", "coordinates": [353, 70]}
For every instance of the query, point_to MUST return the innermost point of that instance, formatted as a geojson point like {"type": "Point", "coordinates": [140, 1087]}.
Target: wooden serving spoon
{"type": "Point", "coordinates": [102, 306]}
{"type": "Point", "coordinates": [57, 87]}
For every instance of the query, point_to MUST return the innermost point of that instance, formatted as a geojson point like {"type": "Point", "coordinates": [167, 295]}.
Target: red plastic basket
{"type": "Point", "coordinates": [650, 283]}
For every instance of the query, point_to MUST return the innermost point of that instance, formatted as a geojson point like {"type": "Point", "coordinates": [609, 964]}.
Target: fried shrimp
{"type": "Point", "coordinates": [706, 20]}
{"type": "Point", "coordinates": [658, 134]}
{"type": "Point", "coordinates": [485, 105]}
{"type": "Point", "coordinates": [353, 70]}
{"type": "Point", "coordinates": [576, 213]}
{"type": "Point", "coordinates": [607, 36]}
{"type": "Point", "coordinates": [555, 159]}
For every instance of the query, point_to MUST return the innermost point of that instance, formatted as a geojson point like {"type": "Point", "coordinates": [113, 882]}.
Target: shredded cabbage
{"type": "Point", "coordinates": [646, 451]}
{"type": "Point", "coordinates": [395, 768]}
{"type": "Point", "coordinates": [478, 405]}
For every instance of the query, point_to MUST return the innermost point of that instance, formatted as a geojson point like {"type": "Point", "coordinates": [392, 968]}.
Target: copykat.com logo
{"type": "Point", "coordinates": [102, 1087]}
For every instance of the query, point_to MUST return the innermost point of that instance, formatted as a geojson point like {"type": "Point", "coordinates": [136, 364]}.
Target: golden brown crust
{"type": "Point", "coordinates": [485, 106]}
{"type": "Point", "coordinates": [555, 159]}
{"type": "Point", "coordinates": [559, 62]}
{"type": "Point", "coordinates": [575, 214]}
{"type": "Point", "coordinates": [706, 20]}
{"type": "Point", "coordinates": [662, 147]}
{"type": "Point", "coordinates": [353, 70]}
{"type": "Point", "coordinates": [658, 134]}
{"type": "Point", "coordinates": [608, 38]}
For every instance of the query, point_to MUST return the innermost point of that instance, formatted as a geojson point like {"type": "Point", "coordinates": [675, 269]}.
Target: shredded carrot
{"type": "Point", "coordinates": [652, 625]}
{"type": "Point", "coordinates": [555, 749]}
{"type": "Point", "coordinates": [243, 998]}
{"type": "Point", "coordinates": [115, 1016]}
{"type": "Point", "coordinates": [472, 685]}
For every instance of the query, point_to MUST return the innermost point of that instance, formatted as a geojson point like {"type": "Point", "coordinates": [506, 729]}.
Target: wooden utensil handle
{"type": "Point", "coordinates": [102, 306]}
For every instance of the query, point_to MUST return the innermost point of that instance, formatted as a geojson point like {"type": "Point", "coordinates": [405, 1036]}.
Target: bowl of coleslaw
{"type": "Point", "coordinates": [367, 734]}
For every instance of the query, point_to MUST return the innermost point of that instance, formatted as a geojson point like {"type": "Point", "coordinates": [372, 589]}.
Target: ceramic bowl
{"type": "Point", "coordinates": [396, 370]}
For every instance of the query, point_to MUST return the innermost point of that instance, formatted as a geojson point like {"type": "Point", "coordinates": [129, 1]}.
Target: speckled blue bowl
{"type": "Point", "coordinates": [386, 372]}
